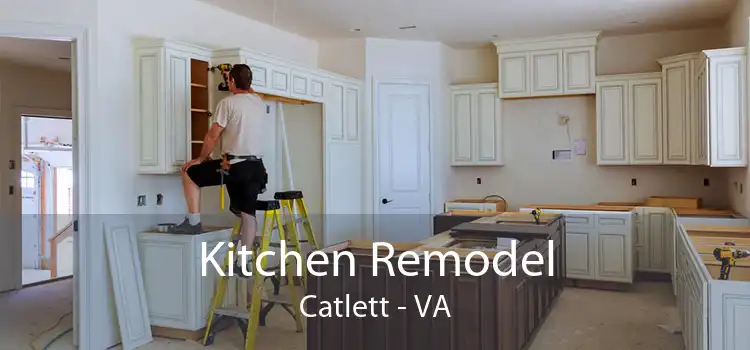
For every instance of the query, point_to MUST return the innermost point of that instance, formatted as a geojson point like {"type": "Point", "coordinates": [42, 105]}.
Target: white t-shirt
{"type": "Point", "coordinates": [241, 116]}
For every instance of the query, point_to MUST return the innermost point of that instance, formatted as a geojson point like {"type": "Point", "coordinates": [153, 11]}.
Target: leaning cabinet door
{"type": "Point", "coordinates": [646, 122]}
{"type": "Point", "coordinates": [579, 253]}
{"type": "Point", "coordinates": [612, 122]}
{"type": "Point", "coordinates": [677, 140]}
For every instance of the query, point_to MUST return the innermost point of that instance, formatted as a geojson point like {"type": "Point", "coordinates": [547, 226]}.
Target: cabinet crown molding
{"type": "Point", "coordinates": [614, 77]}
{"type": "Point", "coordinates": [707, 53]}
{"type": "Point", "coordinates": [154, 43]}
{"type": "Point", "coordinates": [218, 55]}
{"type": "Point", "coordinates": [548, 42]}
{"type": "Point", "coordinates": [473, 86]}
{"type": "Point", "coordinates": [725, 52]}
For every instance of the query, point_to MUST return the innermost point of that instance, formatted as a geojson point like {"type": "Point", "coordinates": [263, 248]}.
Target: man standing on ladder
{"type": "Point", "coordinates": [239, 125]}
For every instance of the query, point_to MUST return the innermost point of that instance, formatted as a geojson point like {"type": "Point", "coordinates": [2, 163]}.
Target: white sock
{"type": "Point", "coordinates": [194, 219]}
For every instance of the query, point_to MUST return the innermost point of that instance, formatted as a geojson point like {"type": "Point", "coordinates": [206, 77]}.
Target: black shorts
{"type": "Point", "coordinates": [246, 180]}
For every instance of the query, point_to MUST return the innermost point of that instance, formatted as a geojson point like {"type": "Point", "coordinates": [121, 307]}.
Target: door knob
{"type": "Point", "coordinates": [386, 201]}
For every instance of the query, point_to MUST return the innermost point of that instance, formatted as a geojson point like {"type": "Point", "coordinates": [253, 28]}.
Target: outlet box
{"type": "Point", "coordinates": [159, 198]}
{"type": "Point", "coordinates": [142, 200]}
{"type": "Point", "coordinates": [633, 182]}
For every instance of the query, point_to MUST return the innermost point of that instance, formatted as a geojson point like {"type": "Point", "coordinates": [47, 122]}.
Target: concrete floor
{"type": "Point", "coordinates": [582, 319]}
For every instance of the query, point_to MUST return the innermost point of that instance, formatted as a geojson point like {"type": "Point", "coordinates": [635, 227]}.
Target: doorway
{"type": "Point", "coordinates": [402, 120]}
{"type": "Point", "coordinates": [46, 198]}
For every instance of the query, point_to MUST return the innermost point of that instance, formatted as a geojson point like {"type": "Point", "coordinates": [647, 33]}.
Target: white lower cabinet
{"type": "Point", "coordinates": [654, 239]}
{"type": "Point", "coordinates": [599, 245]}
{"type": "Point", "coordinates": [476, 125]}
{"type": "Point", "coordinates": [178, 294]}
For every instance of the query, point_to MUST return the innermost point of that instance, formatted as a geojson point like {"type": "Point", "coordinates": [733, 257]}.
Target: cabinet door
{"type": "Point", "coordinates": [461, 127]}
{"type": "Point", "coordinates": [149, 78]}
{"type": "Point", "coordinates": [169, 280]}
{"type": "Point", "coordinates": [727, 107]}
{"type": "Point", "coordinates": [677, 139]}
{"type": "Point", "coordinates": [612, 123]}
{"type": "Point", "coordinates": [700, 114]}
{"type": "Point", "coordinates": [579, 253]}
{"type": "Point", "coordinates": [352, 112]}
{"type": "Point", "coordinates": [488, 124]}
{"type": "Point", "coordinates": [611, 256]}
{"type": "Point", "coordinates": [334, 111]}
{"type": "Point", "coordinates": [546, 73]}
{"type": "Point", "coordinates": [178, 108]}
{"type": "Point", "coordinates": [579, 70]}
{"type": "Point", "coordinates": [646, 121]}
{"type": "Point", "coordinates": [300, 84]}
{"type": "Point", "coordinates": [658, 246]}
{"type": "Point", "coordinates": [514, 73]}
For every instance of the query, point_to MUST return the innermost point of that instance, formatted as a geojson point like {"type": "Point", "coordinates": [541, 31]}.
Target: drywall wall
{"type": "Point", "coordinates": [638, 53]}
{"type": "Point", "coordinates": [531, 133]}
{"type": "Point", "coordinates": [29, 87]}
{"type": "Point", "coordinates": [344, 56]}
{"type": "Point", "coordinates": [738, 33]}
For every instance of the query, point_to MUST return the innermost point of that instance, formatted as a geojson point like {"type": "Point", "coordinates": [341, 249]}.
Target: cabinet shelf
{"type": "Point", "coordinates": [199, 85]}
{"type": "Point", "coordinates": [199, 110]}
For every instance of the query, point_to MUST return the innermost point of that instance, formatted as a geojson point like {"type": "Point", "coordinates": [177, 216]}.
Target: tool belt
{"type": "Point", "coordinates": [225, 167]}
{"type": "Point", "coordinates": [250, 158]}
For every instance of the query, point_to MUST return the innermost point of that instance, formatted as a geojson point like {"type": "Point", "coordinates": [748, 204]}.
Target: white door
{"type": "Point", "coordinates": [402, 113]}
{"type": "Point", "coordinates": [30, 209]}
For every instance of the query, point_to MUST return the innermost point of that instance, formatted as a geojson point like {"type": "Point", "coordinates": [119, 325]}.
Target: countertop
{"type": "Point", "coordinates": [618, 206]}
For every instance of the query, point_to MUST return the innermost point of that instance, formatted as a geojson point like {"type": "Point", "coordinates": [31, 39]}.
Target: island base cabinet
{"type": "Point", "coordinates": [486, 312]}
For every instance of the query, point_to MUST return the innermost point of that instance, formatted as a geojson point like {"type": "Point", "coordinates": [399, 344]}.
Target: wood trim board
{"type": "Point", "coordinates": [127, 283]}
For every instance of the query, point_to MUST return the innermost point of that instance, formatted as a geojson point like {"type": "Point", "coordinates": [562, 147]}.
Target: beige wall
{"type": "Point", "coordinates": [531, 133]}
{"type": "Point", "coordinates": [737, 33]}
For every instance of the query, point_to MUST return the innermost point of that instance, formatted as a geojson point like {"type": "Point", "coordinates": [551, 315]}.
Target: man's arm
{"type": "Point", "coordinates": [210, 141]}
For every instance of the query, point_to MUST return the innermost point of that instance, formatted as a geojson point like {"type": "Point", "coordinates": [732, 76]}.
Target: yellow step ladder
{"type": "Point", "coordinates": [279, 215]}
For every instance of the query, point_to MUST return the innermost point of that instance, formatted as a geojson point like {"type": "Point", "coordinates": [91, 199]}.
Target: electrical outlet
{"type": "Point", "coordinates": [479, 181]}
{"type": "Point", "coordinates": [159, 198]}
{"type": "Point", "coordinates": [706, 182]}
{"type": "Point", "coordinates": [142, 200]}
{"type": "Point", "coordinates": [633, 182]}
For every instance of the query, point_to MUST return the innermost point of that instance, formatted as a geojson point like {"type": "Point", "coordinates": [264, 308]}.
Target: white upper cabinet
{"type": "Point", "coordinates": [705, 107]}
{"type": "Point", "coordinates": [476, 125]}
{"type": "Point", "coordinates": [163, 90]}
{"type": "Point", "coordinates": [547, 66]}
{"type": "Point", "coordinates": [677, 76]}
{"type": "Point", "coordinates": [629, 119]}
{"type": "Point", "coordinates": [274, 76]}
{"type": "Point", "coordinates": [726, 107]}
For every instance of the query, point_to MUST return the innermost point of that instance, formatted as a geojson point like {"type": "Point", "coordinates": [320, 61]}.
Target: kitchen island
{"type": "Point", "coordinates": [484, 311]}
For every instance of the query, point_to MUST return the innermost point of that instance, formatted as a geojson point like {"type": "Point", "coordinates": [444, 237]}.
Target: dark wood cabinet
{"type": "Point", "coordinates": [487, 312]}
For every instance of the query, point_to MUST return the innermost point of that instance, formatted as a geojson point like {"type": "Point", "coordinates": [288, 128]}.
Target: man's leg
{"type": "Point", "coordinates": [197, 176]}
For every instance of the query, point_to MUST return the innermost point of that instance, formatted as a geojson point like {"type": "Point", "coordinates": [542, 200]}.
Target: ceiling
{"type": "Point", "coordinates": [36, 53]}
{"type": "Point", "coordinates": [468, 23]}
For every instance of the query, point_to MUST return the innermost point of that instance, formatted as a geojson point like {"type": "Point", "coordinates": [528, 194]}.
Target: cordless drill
{"type": "Point", "coordinates": [537, 214]}
{"type": "Point", "coordinates": [728, 257]}
{"type": "Point", "coordinates": [224, 68]}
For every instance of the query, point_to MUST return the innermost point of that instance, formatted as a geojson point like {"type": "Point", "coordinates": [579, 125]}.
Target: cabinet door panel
{"type": "Point", "coordinates": [612, 123]}
{"type": "Point", "coordinates": [579, 70]}
{"type": "Point", "coordinates": [178, 107]}
{"type": "Point", "coordinates": [487, 128]}
{"type": "Point", "coordinates": [657, 242]}
{"type": "Point", "coordinates": [261, 75]}
{"type": "Point", "coordinates": [546, 72]}
{"type": "Point", "coordinates": [611, 260]}
{"type": "Point", "coordinates": [578, 257]}
{"type": "Point", "coordinates": [677, 113]}
{"type": "Point", "coordinates": [513, 75]}
{"type": "Point", "coordinates": [646, 128]}
{"type": "Point", "coordinates": [352, 113]}
{"type": "Point", "coordinates": [300, 84]}
{"type": "Point", "coordinates": [149, 71]}
{"type": "Point", "coordinates": [335, 112]}
{"type": "Point", "coordinates": [462, 127]}
{"type": "Point", "coordinates": [280, 80]}
{"type": "Point", "coordinates": [727, 120]}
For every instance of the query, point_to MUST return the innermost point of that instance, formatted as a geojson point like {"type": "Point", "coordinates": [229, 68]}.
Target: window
{"type": "Point", "coordinates": [28, 180]}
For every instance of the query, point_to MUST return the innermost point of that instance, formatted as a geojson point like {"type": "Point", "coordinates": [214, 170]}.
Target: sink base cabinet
{"type": "Point", "coordinates": [486, 312]}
